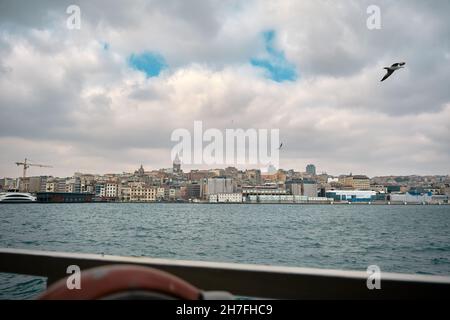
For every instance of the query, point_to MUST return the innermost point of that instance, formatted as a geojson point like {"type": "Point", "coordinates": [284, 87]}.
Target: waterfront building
{"type": "Point", "coordinates": [418, 198]}
{"type": "Point", "coordinates": [287, 199]}
{"type": "Point", "coordinates": [225, 198]}
{"type": "Point", "coordinates": [363, 196]}
{"type": "Point", "coordinates": [219, 185]}
{"type": "Point", "coordinates": [160, 193]}
{"type": "Point", "coordinates": [50, 186]}
{"type": "Point", "coordinates": [302, 187]}
{"type": "Point", "coordinates": [141, 193]}
{"type": "Point", "coordinates": [183, 193]}
{"type": "Point", "coordinates": [109, 190]}
{"type": "Point", "coordinates": [55, 185]}
{"type": "Point", "coordinates": [125, 193]}
{"type": "Point", "coordinates": [408, 198]}
{"type": "Point", "coordinates": [24, 184]}
{"type": "Point", "coordinates": [268, 189]}
{"type": "Point", "coordinates": [174, 193]}
{"type": "Point", "coordinates": [294, 187]}
{"type": "Point", "coordinates": [272, 198]}
{"type": "Point", "coordinates": [309, 189]}
{"type": "Point", "coordinates": [194, 191]}
{"type": "Point", "coordinates": [37, 184]}
{"type": "Point", "coordinates": [230, 197]}
{"type": "Point", "coordinates": [87, 188]}
{"type": "Point", "coordinates": [99, 186]}
{"type": "Point", "coordinates": [73, 185]}
{"type": "Point", "coordinates": [439, 199]}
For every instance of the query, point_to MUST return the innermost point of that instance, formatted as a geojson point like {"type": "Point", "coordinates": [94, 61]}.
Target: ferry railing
{"type": "Point", "coordinates": [239, 279]}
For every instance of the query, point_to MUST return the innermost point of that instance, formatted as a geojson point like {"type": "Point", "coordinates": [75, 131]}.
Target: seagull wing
{"type": "Point", "coordinates": [388, 74]}
{"type": "Point", "coordinates": [398, 64]}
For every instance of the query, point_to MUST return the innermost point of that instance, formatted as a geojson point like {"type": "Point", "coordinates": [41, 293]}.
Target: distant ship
{"type": "Point", "coordinates": [17, 197]}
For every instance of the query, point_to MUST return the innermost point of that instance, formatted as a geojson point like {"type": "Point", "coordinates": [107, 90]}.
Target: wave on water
{"type": "Point", "coordinates": [20, 287]}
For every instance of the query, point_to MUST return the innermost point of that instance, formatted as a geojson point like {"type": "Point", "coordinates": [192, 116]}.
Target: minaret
{"type": "Point", "coordinates": [141, 171]}
{"type": "Point", "coordinates": [177, 164]}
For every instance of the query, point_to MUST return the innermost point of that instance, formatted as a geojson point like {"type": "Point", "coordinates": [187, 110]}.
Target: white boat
{"type": "Point", "coordinates": [17, 197]}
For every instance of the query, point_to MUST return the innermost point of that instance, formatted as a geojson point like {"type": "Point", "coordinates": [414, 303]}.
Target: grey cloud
{"type": "Point", "coordinates": [61, 89]}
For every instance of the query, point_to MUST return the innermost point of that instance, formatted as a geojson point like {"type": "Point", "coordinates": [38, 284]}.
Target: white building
{"type": "Point", "coordinates": [294, 199]}
{"type": "Point", "coordinates": [109, 190]}
{"type": "Point", "coordinates": [411, 198]}
{"type": "Point", "coordinates": [352, 195]}
{"type": "Point", "coordinates": [225, 198]}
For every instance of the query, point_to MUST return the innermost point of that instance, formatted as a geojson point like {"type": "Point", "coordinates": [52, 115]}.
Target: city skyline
{"type": "Point", "coordinates": [231, 185]}
{"type": "Point", "coordinates": [36, 171]}
{"type": "Point", "coordinates": [107, 96]}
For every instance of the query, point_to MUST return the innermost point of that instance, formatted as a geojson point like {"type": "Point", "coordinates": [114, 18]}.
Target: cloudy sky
{"type": "Point", "coordinates": [107, 97]}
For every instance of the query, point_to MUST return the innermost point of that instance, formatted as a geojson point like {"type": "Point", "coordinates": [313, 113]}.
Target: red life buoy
{"type": "Point", "coordinates": [124, 281]}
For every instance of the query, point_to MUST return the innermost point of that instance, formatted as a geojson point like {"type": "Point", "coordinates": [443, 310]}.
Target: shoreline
{"type": "Point", "coordinates": [240, 203]}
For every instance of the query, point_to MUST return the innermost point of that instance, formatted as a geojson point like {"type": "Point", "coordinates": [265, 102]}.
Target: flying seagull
{"type": "Point", "coordinates": [391, 69]}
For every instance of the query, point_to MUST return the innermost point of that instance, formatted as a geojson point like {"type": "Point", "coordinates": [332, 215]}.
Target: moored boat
{"type": "Point", "coordinates": [17, 197]}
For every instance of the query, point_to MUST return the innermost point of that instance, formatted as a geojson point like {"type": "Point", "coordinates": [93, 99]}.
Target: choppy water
{"type": "Point", "coordinates": [406, 239]}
